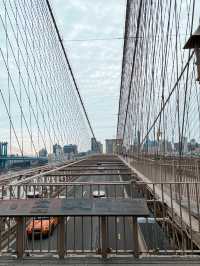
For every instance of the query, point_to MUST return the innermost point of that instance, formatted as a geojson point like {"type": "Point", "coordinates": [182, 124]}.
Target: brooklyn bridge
{"type": "Point", "coordinates": [64, 198]}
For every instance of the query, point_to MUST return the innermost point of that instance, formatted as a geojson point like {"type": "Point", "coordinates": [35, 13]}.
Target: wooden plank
{"type": "Point", "coordinates": [74, 207]}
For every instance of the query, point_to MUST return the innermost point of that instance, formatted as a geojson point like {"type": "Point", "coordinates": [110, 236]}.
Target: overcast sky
{"type": "Point", "coordinates": [96, 64]}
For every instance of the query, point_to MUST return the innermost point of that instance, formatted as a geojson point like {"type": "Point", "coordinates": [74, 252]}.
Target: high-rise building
{"type": "Point", "coordinates": [57, 151]}
{"type": "Point", "coordinates": [70, 149]}
{"type": "Point", "coordinates": [165, 146]}
{"type": "Point", "coordinates": [113, 146]}
{"type": "Point", "coordinates": [100, 145]}
{"type": "Point", "coordinates": [56, 148]}
{"type": "Point", "coordinates": [96, 146]}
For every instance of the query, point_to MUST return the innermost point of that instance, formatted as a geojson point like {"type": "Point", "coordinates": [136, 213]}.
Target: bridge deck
{"type": "Point", "coordinates": [82, 191]}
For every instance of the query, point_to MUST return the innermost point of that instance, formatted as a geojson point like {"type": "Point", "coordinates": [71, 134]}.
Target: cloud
{"type": "Point", "coordinates": [96, 64]}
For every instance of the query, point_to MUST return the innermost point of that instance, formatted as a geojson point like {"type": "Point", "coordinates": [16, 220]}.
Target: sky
{"type": "Point", "coordinates": [96, 64]}
{"type": "Point", "coordinates": [92, 33]}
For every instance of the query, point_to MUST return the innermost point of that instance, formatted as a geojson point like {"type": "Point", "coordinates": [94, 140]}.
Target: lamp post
{"type": "Point", "coordinates": [194, 43]}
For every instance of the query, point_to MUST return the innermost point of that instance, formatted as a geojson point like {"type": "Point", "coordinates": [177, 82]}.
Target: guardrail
{"type": "Point", "coordinates": [173, 228]}
{"type": "Point", "coordinates": [66, 190]}
{"type": "Point", "coordinates": [68, 235]}
{"type": "Point", "coordinates": [163, 171]}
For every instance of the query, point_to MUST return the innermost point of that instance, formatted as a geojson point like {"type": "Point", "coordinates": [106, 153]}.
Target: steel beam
{"type": "Point", "coordinates": [87, 174]}
{"type": "Point", "coordinates": [20, 233]}
{"type": "Point", "coordinates": [61, 237]}
{"type": "Point", "coordinates": [104, 235]}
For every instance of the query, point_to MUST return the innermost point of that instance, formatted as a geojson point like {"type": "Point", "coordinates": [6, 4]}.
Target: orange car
{"type": "Point", "coordinates": [41, 226]}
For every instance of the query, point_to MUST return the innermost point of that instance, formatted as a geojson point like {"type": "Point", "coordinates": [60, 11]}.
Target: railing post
{"type": "Point", "coordinates": [61, 237]}
{"type": "Point", "coordinates": [135, 238]}
{"type": "Point", "coordinates": [19, 192]}
{"type": "Point", "coordinates": [50, 191]}
{"type": "Point", "coordinates": [20, 233]}
{"type": "Point", "coordinates": [103, 237]}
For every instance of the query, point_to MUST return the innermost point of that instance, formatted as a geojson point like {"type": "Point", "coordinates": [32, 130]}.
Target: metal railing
{"type": "Point", "coordinates": [67, 235]}
{"type": "Point", "coordinates": [167, 171]}
{"type": "Point", "coordinates": [66, 190]}
{"type": "Point", "coordinates": [177, 214]}
{"type": "Point", "coordinates": [172, 228]}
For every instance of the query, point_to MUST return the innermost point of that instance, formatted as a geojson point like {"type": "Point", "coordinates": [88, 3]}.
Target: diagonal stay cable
{"type": "Point", "coordinates": [123, 63]}
{"type": "Point", "coordinates": [169, 96]}
{"type": "Point", "coordinates": [70, 69]}
{"type": "Point", "coordinates": [133, 65]}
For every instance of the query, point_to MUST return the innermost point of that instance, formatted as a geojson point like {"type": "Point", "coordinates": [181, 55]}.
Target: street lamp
{"type": "Point", "coordinates": [194, 43]}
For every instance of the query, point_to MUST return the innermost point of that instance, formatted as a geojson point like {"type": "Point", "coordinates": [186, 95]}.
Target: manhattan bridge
{"type": "Point", "coordinates": [62, 200]}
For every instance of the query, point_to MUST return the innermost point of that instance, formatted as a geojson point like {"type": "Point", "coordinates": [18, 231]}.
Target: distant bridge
{"type": "Point", "coordinates": [21, 161]}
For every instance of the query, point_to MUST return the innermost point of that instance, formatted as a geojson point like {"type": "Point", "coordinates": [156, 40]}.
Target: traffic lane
{"type": "Point", "coordinates": [84, 233]}
{"type": "Point", "coordinates": [81, 233]}
{"type": "Point", "coordinates": [39, 242]}
{"type": "Point", "coordinates": [120, 233]}
{"type": "Point", "coordinates": [43, 243]}
{"type": "Point", "coordinates": [76, 191]}
{"type": "Point", "coordinates": [119, 230]}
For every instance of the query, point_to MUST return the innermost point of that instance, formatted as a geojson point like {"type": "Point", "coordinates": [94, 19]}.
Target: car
{"type": "Point", "coordinates": [101, 168]}
{"type": "Point", "coordinates": [33, 194]}
{"type": "Point", "coordinates": [41, 226]}
{"type": "Point", "coordinates": [62, 197]}
{"type": "Point", "coordinates": [99, 194]}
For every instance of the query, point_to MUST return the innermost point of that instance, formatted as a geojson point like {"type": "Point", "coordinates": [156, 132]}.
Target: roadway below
{"type": "Point", "coordinates": [83, 234]}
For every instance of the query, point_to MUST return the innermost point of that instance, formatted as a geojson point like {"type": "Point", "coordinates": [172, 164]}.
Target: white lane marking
{"type": "Point", "coordinates": [119, 236]}
{"type": "Point", "coordinates": [125, 192]}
